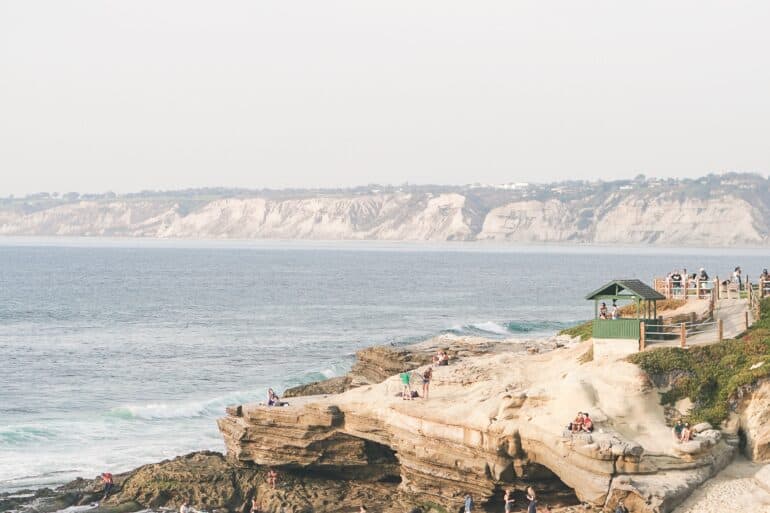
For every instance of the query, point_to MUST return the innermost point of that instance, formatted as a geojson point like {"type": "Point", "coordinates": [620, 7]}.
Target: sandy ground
{"type": "Point", "coordinates": [742, 486]}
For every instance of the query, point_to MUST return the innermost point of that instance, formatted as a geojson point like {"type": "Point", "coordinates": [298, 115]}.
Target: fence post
{"type": "Point", "coordinates": [721, 329]}
{"type": "Point", "coordinates": [746, 319]}
{"type": "Point", "coordinates": [683, 335]}
{"type": "Point", "coordinates": [716, 286]}
{"type": "Point", "coordinates": [642, 336]}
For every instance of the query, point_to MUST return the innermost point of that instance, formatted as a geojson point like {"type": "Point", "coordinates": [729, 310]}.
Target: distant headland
{"type": "Point", "coordinates": [712, 211]}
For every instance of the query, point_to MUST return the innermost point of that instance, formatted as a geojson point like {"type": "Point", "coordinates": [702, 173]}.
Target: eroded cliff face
{"type": "Point", "coordinates": [754, 422]}
{"type": "Point", "coordinates": [491, 422]}
{"type": "Point", "coordinates": [450, 216]}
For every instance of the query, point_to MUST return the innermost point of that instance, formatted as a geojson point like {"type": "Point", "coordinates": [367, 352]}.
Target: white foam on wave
{"type": "Point", "coordinates": [158, 411]}
{"type": "Point", "coordinates": [183, 409]}
{"type": "Point", "coordinates": [490, 327]}
{"type": "Point", "coordinates": [328, 373]}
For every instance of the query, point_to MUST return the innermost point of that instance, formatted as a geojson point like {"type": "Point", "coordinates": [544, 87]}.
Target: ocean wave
{"type": "Point", "coordinates": [159, 411]}
{"type": "Point", "coordinates": [492, 328]}
{"type": "Point", "coordinates": [15, 435]}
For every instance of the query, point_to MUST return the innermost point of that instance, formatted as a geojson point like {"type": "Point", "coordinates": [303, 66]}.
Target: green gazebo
{"type": "Point", "coordinates": [643, 295]}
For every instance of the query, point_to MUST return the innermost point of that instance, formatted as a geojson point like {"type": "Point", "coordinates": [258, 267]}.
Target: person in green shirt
{"type": "Point", "coordinates": [406, 392]}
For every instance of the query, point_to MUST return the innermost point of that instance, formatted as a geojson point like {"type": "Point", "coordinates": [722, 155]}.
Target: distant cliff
{"type": "Point", "coordinates": [712, 211]}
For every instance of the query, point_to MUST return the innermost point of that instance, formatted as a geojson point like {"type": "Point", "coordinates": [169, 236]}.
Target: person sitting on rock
{"type": "Point", "coordinates": [577, 425]}
{"type": "Point", "coordinates": [588, 424]}
{"type": "Point", "coordinates": [677, 430]}
{"type": "Point", "coordinates": [686, 433]}
{"type": "Point", "coordinates": [621, 508]}
{"type": "Point", "coordinates": [185, 507]}
{"type": "Point", "coordinates": [273, 399]}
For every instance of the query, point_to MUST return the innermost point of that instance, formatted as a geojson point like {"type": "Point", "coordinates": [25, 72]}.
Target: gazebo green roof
{"type": "Point", "coordinates": [633, 289]}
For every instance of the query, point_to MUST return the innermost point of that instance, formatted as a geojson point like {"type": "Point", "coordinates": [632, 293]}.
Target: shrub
{"type": "Point", "coordinates": [711, 375]}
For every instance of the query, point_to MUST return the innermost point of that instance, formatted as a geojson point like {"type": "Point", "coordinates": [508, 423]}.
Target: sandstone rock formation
{"type": "Point", "coordinates": [754, 415]}
{"type": "Point", "coordinates": [377, 363]}
{"type": "Point", "coordinates": [492, 421]}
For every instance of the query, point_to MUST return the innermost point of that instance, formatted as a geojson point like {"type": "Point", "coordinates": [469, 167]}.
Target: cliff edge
{"type": "Point", "coordinates": [492, 422]}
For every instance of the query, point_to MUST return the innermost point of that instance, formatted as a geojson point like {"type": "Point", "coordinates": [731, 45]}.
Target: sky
{"type": "Point", "coordinates": [169, 94]}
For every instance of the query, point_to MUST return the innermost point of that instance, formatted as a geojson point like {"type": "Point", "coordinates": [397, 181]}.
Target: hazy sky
{"type": "Point", "coordinates": [130, 95]}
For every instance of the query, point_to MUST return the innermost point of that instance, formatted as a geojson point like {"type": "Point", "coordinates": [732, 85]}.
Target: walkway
{"type": "Point", "coordinates": [730, 311]}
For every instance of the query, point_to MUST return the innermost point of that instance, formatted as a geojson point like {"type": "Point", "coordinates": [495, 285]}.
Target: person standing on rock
{"type": "Point", "coordinates": [406, 392]}
{"type": "Point", "coordinates": [508, 499]}
{"type": "Point", "coordinates": [468, 503]}
{"type": "Point", "coordinates": [532, 498]}
{"type": "Point", "coordinates": [108, 483]}
{"type": "Point", "coordinates": [255, 507]}
{"type": "Point", "coordinates": [427, 376]}
{"type": "Point", "coordinates": [272, 478]}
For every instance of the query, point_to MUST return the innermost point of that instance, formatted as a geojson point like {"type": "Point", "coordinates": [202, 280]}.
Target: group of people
{"type": "Point", "coordinates": [509, 502]}
{"type": "Point", "coordinates": [582, 423]}
{"type": "Point", "coordinates": [614, 313]}
{"type": "Point", "coordinates": [681, 279]}
{"type": "Point", "coordinates": [273, 399]}
{"type": "Point", "coordinates": [682, 431]}
{"type": "Point", "coordinates": [440, 358]}
{"type": "Point", "coordinates": [406, 383]}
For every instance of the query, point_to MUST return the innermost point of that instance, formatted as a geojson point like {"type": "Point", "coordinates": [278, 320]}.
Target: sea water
{"type": "Point", "coordinates": [116, 353]}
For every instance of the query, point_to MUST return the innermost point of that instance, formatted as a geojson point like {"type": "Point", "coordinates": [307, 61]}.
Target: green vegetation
{"type": "Point", "coordinates": [584, 331]}
{"type": "Point", "coordinates": [711, 375]}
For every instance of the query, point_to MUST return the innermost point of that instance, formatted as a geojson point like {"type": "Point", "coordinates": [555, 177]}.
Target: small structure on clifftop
{"type": "Point", "coordinates": [615, 336]}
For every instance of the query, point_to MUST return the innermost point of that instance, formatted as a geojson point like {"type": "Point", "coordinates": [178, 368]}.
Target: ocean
{"type": "Point", "coordinates": [115, 353]}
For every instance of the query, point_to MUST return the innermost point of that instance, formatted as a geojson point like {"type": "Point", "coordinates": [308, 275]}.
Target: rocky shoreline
{"type": "Point", "coordinates": [495, 423]}
{"type": "Point", "coordinates": [213, 483]}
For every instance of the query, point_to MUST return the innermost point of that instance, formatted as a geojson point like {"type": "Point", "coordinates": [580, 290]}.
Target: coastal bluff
{"type": "Point", "coordinates": [495, 419]}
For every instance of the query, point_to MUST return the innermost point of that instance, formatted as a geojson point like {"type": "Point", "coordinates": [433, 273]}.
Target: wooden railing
{"type": "Point", "coordinates": [649, 333]}
{"type": "Point", "coordinates": [686, 288]}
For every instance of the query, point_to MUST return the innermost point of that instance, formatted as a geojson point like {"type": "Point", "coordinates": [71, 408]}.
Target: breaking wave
{"type": "Point", "coordinates": [493, 329]}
